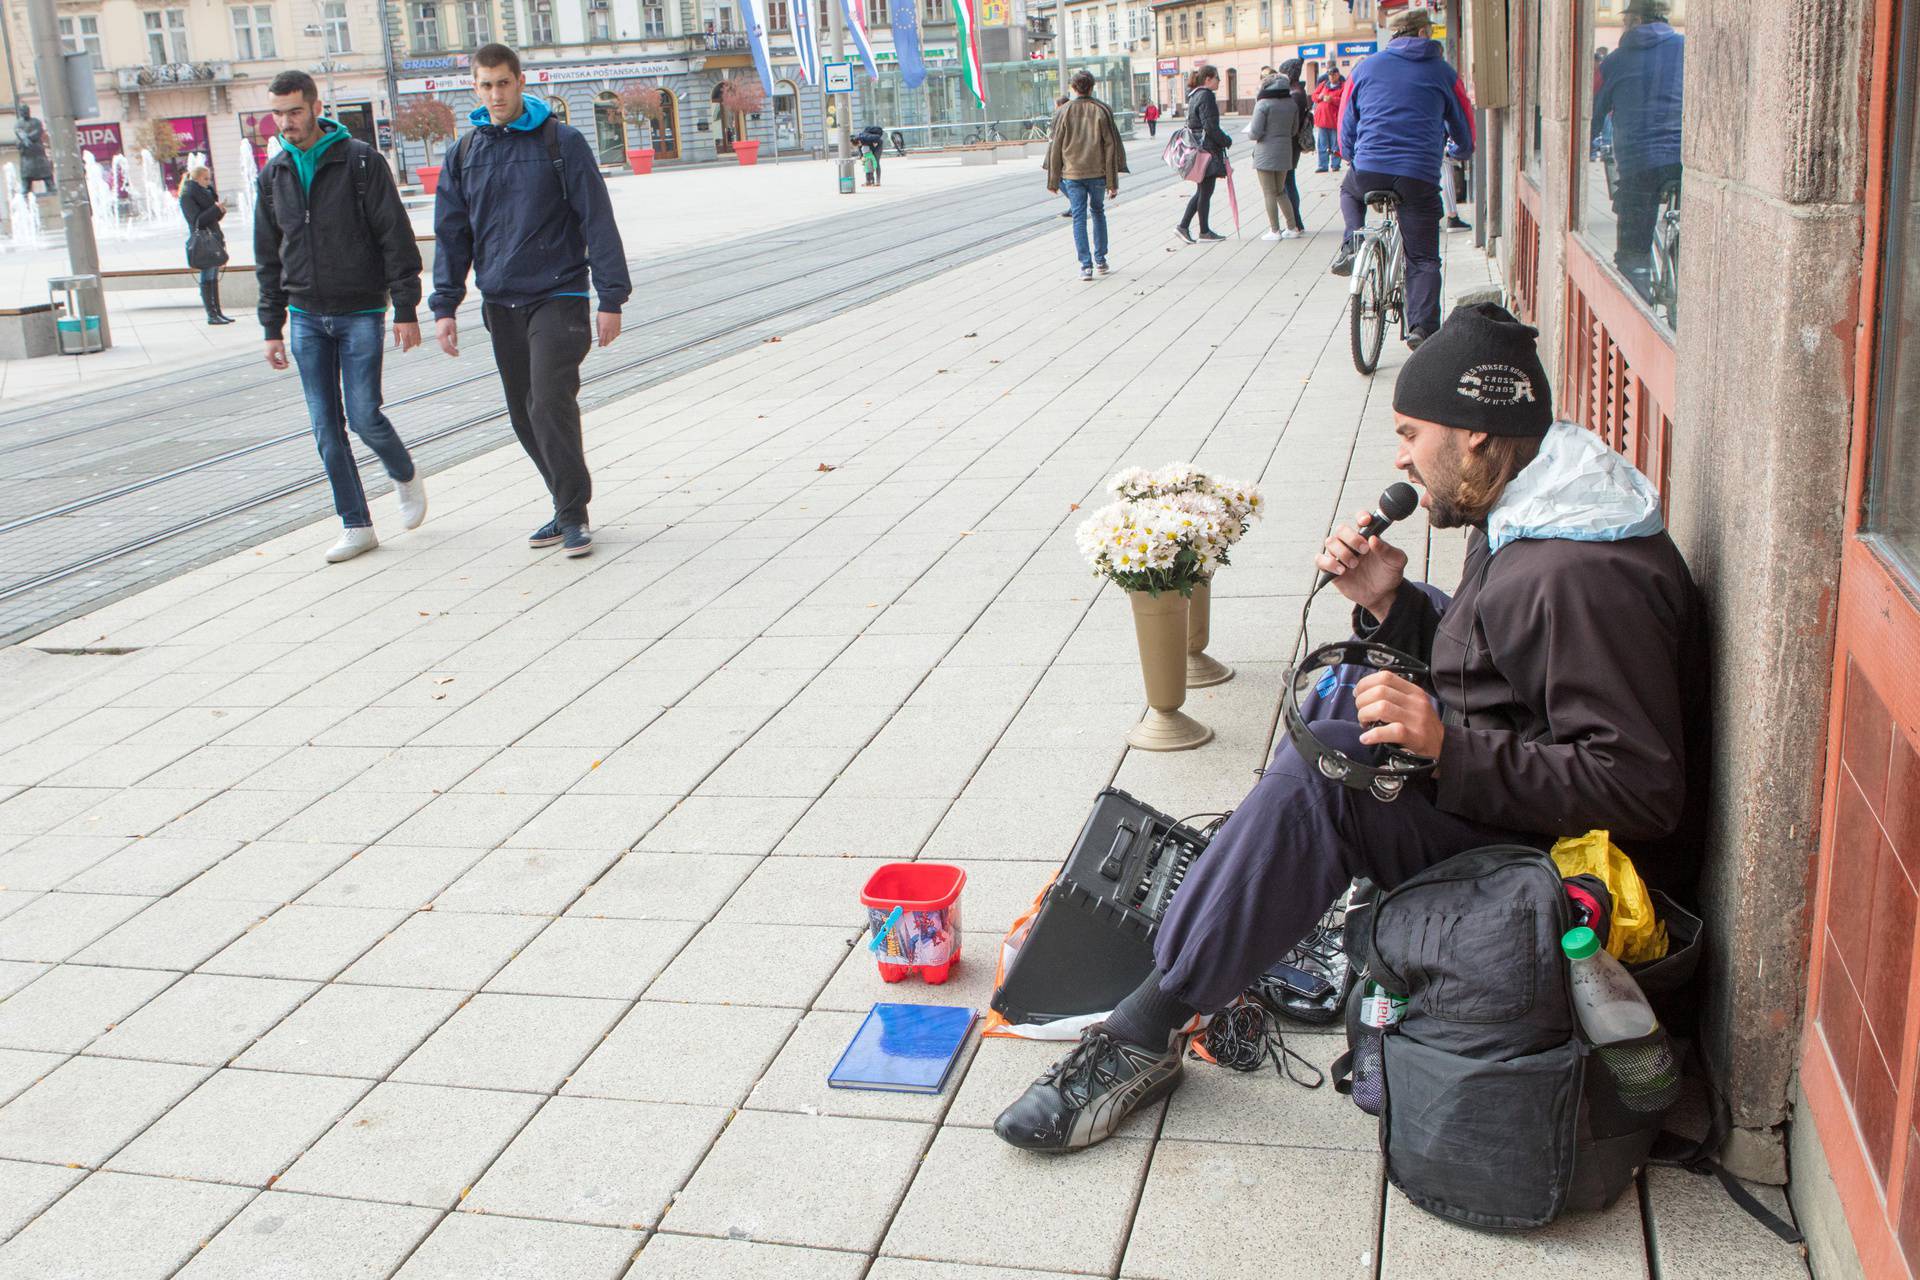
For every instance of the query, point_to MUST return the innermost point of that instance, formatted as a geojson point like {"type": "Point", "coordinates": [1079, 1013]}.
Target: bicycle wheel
{"type": "Point", "coordinates": [1367, 310]}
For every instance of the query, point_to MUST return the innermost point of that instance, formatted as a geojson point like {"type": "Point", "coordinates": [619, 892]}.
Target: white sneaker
{"type": "Point", "coordinates": [1271, 235]}
{"type": "Point", "coordinates": [1288, 234]}
{"type": "Point", "coordinates": [413, 501]}
{"type": "Point", "coordinates": [352, 543]}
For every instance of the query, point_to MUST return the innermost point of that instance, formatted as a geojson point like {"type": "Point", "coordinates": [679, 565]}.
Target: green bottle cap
{"type": "Point", "coordinates": [1579, 943]}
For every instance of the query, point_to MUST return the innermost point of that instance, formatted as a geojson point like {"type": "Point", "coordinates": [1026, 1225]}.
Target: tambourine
{"type": "Point", "coordinates": [1387, 779]}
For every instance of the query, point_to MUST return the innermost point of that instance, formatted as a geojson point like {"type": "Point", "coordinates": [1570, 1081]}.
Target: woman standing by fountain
{"type": "Point", "coordinates": [203, 208]}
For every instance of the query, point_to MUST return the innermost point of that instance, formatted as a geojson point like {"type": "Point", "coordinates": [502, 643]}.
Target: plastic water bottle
{"type": "Point", "coordinates": [1609, 1003]}
{"type": "Point", "coordinates": [1614, 1013]}
{"type": "Point", "coordinates": [1380, 1007]}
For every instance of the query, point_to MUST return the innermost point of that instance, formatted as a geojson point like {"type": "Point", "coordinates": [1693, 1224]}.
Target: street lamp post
{"type": "Point", "coordinates": [843, 170]}
{"type": "Point", "coordinates": [1060, 42]}
{"type": "Point", "coordinates": [70, 179]}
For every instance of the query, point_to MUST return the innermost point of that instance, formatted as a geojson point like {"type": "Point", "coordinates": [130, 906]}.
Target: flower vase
{"type": "Point", "coordinates": [1160, 627]}
{"type": "Point", "coordinates": [1202, 670]}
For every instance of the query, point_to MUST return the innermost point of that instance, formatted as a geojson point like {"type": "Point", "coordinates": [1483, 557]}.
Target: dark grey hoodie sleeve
{"type": "Point", "coordinates": [587, 194]}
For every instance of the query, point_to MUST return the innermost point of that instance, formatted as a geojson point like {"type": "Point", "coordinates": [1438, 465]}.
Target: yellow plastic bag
{"type": "Point", "coordinates": [1638, 934]}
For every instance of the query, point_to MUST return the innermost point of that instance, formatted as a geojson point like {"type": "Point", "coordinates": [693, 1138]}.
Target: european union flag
{"type": "Point", "coordinates": [906, 40]}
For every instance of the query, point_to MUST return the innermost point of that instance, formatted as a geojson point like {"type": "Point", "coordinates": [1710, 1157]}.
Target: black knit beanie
{"type": "Point", "coordinates": [1480, 372]}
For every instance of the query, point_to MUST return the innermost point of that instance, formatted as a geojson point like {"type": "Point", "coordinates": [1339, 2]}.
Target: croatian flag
{"type": "Point", "coordinates": [806, 42]}
{"type": "Point", "coordinates": [856, 11]}
{"type": "Point", "coordinates": [906, 41]}
{"type": "Point", "coordinates": [755, 12]}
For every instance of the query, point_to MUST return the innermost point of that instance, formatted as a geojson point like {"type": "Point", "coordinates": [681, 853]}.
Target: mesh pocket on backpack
{"type": "Point", "coordinates": [1369, 1073]}
{"type": "Point", "coordinates": [1644, 1072]}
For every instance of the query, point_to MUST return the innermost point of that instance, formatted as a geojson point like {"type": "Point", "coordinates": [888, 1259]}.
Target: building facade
{"type": "Point", "coordinates": [199, 69]}
{"type": "Point", "coordinates": [1712, 221]}
{"type": "Point", "coordinates": [1241, 36]}
{"type": "Point", "coordinates": [1114, 28]}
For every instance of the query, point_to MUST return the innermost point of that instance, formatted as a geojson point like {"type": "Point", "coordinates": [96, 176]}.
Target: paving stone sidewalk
{"type": "Point", "coordinates": [466, 912]}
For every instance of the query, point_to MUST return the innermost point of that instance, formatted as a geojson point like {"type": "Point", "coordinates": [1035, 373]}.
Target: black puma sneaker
{"type": "Point", "coordinates": [1083, 1097]}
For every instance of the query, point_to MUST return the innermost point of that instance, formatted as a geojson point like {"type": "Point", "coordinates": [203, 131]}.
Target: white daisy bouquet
{"type": "Point", "coordinates": [1170, 529]}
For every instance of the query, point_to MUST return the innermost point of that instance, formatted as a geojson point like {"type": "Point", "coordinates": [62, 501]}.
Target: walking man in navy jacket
{"type": "Point", "coordinates": [522, 204]}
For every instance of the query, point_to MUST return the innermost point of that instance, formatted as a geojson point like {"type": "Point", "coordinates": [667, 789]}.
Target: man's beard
{"type": "Point", "coordinates": [1443, 486]}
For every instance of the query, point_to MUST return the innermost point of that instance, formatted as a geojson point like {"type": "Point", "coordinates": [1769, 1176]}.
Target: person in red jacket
{"type": "Point", "coordinates": [1326, 119]}
{"type": "Point", "coordinates": [1151, 114]}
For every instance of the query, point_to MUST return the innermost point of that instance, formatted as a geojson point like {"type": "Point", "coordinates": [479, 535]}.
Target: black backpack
{"type": "Point", "coordinates": [1494, 1109]}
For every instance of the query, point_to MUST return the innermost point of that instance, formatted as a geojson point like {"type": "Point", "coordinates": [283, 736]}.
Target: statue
{"type": "Point", "coordinates": [30, 136]}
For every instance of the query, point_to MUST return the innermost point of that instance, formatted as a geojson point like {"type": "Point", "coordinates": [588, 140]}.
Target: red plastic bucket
{"type": "Point", "coordinates": [927, 937]}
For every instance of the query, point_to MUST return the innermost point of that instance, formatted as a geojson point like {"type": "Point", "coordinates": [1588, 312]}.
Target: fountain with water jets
{"type": "Point", "coordinates": [23, 214]}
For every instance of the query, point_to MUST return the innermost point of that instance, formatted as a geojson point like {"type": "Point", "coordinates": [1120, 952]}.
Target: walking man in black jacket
{"type": "Point", "coordinates": [333, 244]}
{"type": "Point", "coordinates": [522, 204]}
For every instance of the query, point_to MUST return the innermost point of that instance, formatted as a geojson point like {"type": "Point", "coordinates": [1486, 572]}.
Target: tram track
{"type": "Point", "coordinates": [737, 258]}
{"type": "Point", "coordinates": [723, 340]}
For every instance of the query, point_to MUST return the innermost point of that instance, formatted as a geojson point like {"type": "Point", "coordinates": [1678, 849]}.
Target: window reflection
{"type": "Point", "coordinates": [1534, 86]}
{"type": "Point", "coordinates": [1630, 187]}
{"type": "Point", "coordinates": [1893, 491]}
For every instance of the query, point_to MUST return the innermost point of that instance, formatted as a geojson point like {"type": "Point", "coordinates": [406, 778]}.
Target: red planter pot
{"type": "Point", "coordinates": [429, 175]}
{"type": "Point", "coordinates": [641, 160]}
{"type": "Point", "coordinates": [748, 152]}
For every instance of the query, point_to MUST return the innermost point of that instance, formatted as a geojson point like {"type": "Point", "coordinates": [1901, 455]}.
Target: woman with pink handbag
{"type": "Point", "coordinates": [1210, 143]}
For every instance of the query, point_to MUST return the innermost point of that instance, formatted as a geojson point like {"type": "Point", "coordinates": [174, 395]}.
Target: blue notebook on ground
{"type": "Point", "coordinates": [904, 1048]}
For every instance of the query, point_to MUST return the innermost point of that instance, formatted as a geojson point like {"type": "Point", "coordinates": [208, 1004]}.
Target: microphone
{"type": "Point", "coordinates": [1397, 503]}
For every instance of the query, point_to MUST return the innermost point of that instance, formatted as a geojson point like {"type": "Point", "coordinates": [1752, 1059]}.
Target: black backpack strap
{"type": "Point", "coordinates": [1698, 1155]}
{"type": "Point", "coordinates": [1341, 1072]}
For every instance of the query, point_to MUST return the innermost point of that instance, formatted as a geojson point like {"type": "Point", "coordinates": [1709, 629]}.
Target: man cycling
{"type": "Point", "coordinates": [1402, 107]}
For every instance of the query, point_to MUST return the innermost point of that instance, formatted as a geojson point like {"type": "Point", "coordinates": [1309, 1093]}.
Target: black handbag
{"type": "Point", "coordinates": [206, 248]}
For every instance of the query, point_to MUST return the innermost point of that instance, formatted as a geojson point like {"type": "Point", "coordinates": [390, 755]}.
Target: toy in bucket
{"type": "Point", "coordinates": [913, 909]}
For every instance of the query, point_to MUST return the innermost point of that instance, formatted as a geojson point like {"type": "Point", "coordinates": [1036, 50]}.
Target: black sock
{"type": "Point", "coordinates": [1149, 1016]}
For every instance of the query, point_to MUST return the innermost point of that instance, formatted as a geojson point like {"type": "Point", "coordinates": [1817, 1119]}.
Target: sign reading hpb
{"type": "Point", "coordinates": [839, 77]}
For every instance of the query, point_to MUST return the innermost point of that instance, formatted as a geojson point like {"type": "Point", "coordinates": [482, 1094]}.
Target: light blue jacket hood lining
{"type": "Point", "coordinates": [533, 114]}
{"type": "Point", "coordinates": [1578, 489]}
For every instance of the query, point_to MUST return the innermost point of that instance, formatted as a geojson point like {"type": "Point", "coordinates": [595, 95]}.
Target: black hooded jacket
{"type": "Point", "coordinates": [328, 250]}
{"type": "Point", "coordinates": [200, 207]}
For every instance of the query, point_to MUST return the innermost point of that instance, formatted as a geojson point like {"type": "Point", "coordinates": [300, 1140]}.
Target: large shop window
{"type": "Point", "coordinates": [1629, 186]}
{"type": "Point", "coordinates": [1893, 491]}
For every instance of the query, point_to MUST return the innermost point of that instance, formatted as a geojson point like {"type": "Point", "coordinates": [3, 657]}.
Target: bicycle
{"type": "Point", "coordinates": [1379, 289]}
{"type": "Point", "coordinates": [1663, 283]}
{"type": "Point", "coordinates": [1037, 130]}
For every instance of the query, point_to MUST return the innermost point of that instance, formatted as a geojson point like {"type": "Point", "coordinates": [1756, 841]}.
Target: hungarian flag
{"type": "Point", "coordinates": [966, 17]}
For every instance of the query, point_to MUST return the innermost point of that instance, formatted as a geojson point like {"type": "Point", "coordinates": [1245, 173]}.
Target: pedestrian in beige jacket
{"type": "Point", "coordinates": [1085, 158]}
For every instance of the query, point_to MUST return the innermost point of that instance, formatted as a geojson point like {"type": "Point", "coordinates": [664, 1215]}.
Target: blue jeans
{"type": "Point", "coordinates": [1327, 142]}
{"type": "Point", "coordinates": [1088, 198]}
{"type": "Point", "coordinates": [337, 354]}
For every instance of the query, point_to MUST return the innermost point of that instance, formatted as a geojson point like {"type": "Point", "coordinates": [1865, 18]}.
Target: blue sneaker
{"type": "Point", "coordinates": [547, 535]}
{"type": "Point", "coordinates": [578, 539]}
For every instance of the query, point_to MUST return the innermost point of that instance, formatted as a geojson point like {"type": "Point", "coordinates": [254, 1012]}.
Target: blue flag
{"type": "Point", "coordinates": [755, 12]}
{"type": "Point", "coordinates": [906, 41]}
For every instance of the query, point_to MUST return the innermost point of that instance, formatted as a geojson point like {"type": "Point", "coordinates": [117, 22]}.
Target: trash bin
{"type": "Point", "coordinates": [76, 332]}
{"type": "Point", "coordinates": [926, 938]}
